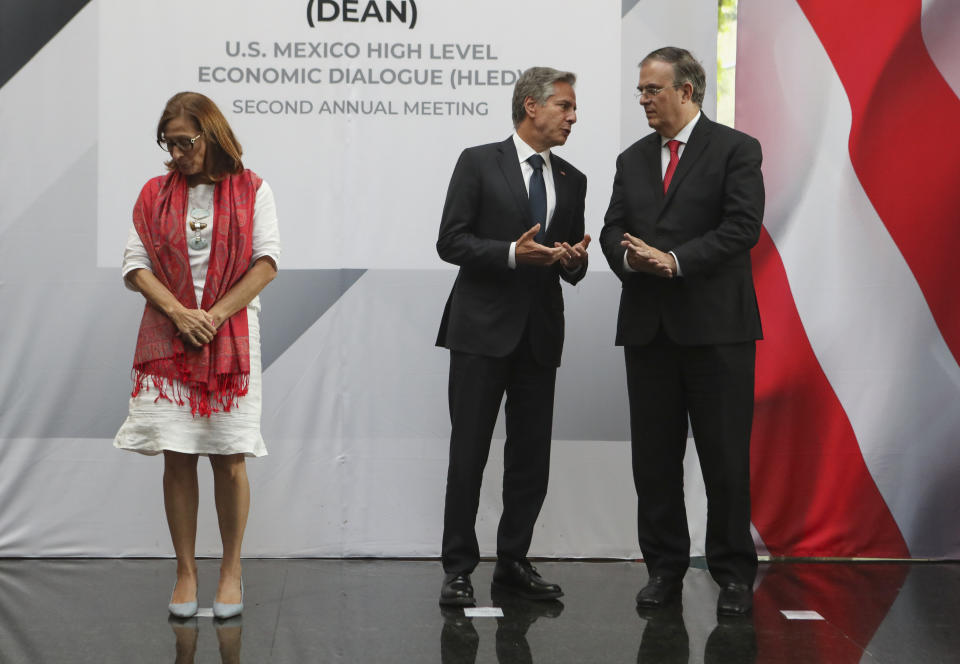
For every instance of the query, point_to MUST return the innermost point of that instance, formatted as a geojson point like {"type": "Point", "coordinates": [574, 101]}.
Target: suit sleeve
{"type": "Point", "coordinates": [576, 235]}
{"type": "Point", "coordinates": [614, 225]}
{"type": "Point", "coordinates": [458, 241]}
{"type": "Point", "coordinates": [740, 218]}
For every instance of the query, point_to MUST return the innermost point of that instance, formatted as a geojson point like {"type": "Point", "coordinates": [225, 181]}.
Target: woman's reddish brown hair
{"type": "Point", "coordinates": [223, 148]}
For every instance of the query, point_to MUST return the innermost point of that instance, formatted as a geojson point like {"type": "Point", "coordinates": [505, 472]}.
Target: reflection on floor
{"type": "Point", "coordinates": [384, 611]}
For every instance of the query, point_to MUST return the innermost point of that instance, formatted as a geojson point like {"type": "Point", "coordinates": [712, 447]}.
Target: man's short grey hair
{"type": "Point", "coordinates": [537, 82]}
{"type": "Point", "coordinates": [686, 69]}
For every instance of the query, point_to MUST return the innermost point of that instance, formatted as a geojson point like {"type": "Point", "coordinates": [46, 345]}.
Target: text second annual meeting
{"type": "Point", "coordinates": [430, 108]}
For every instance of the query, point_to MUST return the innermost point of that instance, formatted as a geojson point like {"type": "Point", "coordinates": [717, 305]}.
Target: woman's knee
{"type": "Point", "coordinates": [230, 466]}
{"type": "Point", "coordinates": [179, 463]}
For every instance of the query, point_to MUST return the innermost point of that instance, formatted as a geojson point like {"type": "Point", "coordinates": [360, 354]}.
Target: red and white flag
{"type": "Point", "coordinates": [856, 444]}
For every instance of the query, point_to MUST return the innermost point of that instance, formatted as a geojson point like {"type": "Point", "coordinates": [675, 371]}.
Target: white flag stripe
{"type": "Point", "coordinates": [860, 305]}
{"type": "Point", "coordinates": [940, 25]}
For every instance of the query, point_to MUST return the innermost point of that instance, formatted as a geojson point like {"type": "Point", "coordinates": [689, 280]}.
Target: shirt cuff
{"type": "Point", "coordinates": [626, 264]}
{"type": "Point", "coordinates": [679, 272]}
{"type": "Point", "coordinates": [512, 256]}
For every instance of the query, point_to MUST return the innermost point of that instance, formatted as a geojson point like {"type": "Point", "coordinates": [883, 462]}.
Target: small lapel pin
{"type": "Point", "coordinates": [563, 173]}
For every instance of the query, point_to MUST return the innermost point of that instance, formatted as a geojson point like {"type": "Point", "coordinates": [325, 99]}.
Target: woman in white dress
{"type": "Point", "coordinates": [203, 245]}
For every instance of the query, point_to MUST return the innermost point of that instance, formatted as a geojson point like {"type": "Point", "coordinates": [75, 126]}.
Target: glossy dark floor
{"type": "Point", "coordinates": [360, 611]}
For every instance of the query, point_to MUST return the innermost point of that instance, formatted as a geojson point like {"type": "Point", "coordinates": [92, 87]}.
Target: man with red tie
{"type": "Point", "coordinates": [686, 208]}
{"type": "Point", "coordinates": [513, 223]}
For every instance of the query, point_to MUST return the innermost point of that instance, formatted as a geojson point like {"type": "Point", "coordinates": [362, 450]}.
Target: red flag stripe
{"type": "Point", "coordinates": [812, 492]}
{"type": "Point", "coordinates": [902, 145]}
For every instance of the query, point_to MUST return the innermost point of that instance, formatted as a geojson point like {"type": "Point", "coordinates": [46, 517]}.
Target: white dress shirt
{"type": "Point", "coordinates": [524, 152]}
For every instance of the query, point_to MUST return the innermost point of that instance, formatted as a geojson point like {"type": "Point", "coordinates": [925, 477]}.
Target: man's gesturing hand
{"type": "Point", "coordinates": [532, 253]}
{"type": "Point", "coordinates": [644, 258]}
{"type": "Point", "coordinates": [576, 255]}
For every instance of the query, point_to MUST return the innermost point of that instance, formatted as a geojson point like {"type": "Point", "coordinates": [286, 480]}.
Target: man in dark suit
{"type": "Point", "coordinates": [686, 208]}
{"type": "Point", "coordinates": [513, 222]}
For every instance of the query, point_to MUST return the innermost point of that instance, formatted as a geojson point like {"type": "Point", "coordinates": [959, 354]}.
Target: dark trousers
{"type": "Point", "coordinates": [476, 388]}
{"type": "Point", "coordinates": [714, 385]}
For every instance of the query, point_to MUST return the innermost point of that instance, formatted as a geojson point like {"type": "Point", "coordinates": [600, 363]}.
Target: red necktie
{"type": "Point", "coordinates": [674, 146]}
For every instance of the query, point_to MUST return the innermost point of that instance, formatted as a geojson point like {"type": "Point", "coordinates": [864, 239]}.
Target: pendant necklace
{"type": "Point", "coordinates": [197, 224]}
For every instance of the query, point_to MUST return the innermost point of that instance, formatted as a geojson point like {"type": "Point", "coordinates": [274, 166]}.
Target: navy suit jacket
{"type": "Point", "coordinates": [710, 218]}
{"type": "Point", "coordinates": [486, 209]}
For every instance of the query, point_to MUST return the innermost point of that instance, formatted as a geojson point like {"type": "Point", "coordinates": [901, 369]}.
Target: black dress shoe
{"type": "Point", "coordinates": [672, 611]}
{"type": "Point", "coordinates": [521, 579]}
{"type": "Point", "coordinates": [736, 599]}
{"type": "Point", "coordinates": [659, 592]}
{"type": "Point", "coordinates": [457, 590]}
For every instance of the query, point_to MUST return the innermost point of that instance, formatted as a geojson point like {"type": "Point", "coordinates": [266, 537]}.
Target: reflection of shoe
{"type": "Point", "coordinates": [179, 624]}
{"type": "Point", "coordinates": [182, 609]}
{"type": "Point", "coordinates": [665, 637]}
{"type": "Point", "coordinates": [659, 591]}
{"type": "Point", "coordinates": [224, 611]}
{"type": "Point", "coordinates": [458, 637]}
{"type": "Point", "coordinates": [662, 614]}
{"type": "Point", "coordinates": [454, 615]}
{"type": "Point", "coordinates": [521, 578]}
{"type": "Point", "coordinates": [514, 606]}
{"type": "Point", "coordinates": [229, 638]}
{"type": "Point", "coordinates": [457, 590]}
{"type": "Point", "coordinates": [519, 614]}
{"type": "Point", "coordinates": [741, 621]}
{"type": "Point", "coordinates": [186, 631]}
{"type": "Point", "coordinates": [227, 623]}
{"type": "Point", "coordinates": [732, 641]}
{"type": "Point", "coordinates": [736, 599]}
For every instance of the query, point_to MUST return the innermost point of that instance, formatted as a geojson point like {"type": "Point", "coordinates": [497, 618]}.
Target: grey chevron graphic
{"type": "Point", "coordinates": [26, 25]}
{"type": "Point", "coordinates": [627, 5]}
{"type": "Point", "coordinates": [307, 294]}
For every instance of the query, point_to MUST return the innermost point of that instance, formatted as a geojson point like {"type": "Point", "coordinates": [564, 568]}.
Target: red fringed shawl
{"type": "Point", "coordinates": [215, 374]}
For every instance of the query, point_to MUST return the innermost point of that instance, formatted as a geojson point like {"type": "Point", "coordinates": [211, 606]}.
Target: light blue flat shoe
{"type": "Point", "coordinates": [182, 610]}
{"type": "Point", "coordinates": [224, 611]}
